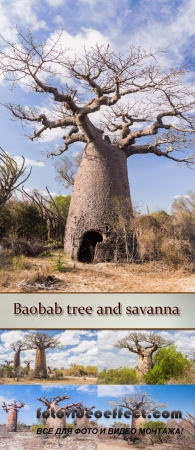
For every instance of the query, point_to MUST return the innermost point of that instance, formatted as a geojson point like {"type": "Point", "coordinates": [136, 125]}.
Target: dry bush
{"type": "Point", "coordinates": [167, 238]}
{"type": "Point", "coordinates": [22, 247]}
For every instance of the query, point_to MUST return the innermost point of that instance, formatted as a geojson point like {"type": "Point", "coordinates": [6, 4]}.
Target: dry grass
{"type": "Point", "coordinates": [25, 273]}
{"type": "Point", "coordinates": [28, 441]}
{"type": "Point", "coordinates": [119, 445]}
{"type": "Point", "coordinates": [64, 381]}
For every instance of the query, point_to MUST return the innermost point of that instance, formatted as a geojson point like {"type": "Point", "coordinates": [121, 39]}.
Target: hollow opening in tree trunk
{"type": "Point", "coordinates": [87, 248]}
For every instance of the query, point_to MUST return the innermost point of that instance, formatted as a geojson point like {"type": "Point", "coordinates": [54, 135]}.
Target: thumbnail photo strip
{"type": "Point", "coordinates": [96, 389]}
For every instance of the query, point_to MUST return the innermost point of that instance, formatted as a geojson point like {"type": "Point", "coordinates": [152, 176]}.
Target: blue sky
{"type": "Point", "coordinates": [176, 397]}
{"type": "Point", "coordinates": [78, 347]}
{"type": "Point", "coordinates": [154, 182]}
{"type": "Point", "coordinates": [110, 357]}
{"type": "Point", "coordinates": [29, 394]}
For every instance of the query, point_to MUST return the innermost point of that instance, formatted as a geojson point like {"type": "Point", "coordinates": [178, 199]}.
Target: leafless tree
{"type": "Point", "coordinates": [11, 176]}
{"type": "Point", "coordinates": [8, 363]}
{"type": "Point", "coordinates": [12, 409]}
{"type": "Point", "coordinates": [50, 211]}
{"type": "Point", "coordinates": [66, 169]}
{"type": "Point", "coordinates": [57, 422]}
{"type": "Point", "coordinates": [138, 402]}
{"type": "Point", "coordinates": [151, 343]}
{"type": "Point", "coordinates": [157, 118]}
{"type": "Point", "coordinates": [27, 362]}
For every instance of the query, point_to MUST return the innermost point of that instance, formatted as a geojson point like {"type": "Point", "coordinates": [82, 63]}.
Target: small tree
{"type": "Point", "coordinates": [8, 363]}
{"type": "Point", "coordinates": [10, 176]}
{"type": "Point", "coordinates": [53, 211]}
{"type": "Point", "coordinates": [153, 342]}
{"type": "Point", "coordinates": [40, 342]}
{"type": "Point", "coordinates": [27, 362]}
{"type": "Point", "coordinates": [168, 363]}
{"type": "Point", "coordinates": [135, 403]}
{"type": "Point", "coordinates": [123, 375]}
{"type": "Point", "coordinates": [12, 409]}
{"type": "Point", "coordinates": [67, 169]}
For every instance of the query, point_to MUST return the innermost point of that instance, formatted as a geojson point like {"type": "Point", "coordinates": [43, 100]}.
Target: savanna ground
{"type": "Point", "coordinates": [26, 440]}
{"type": "Point", "coordinates": [64, 381]}
{"type": "Point", "coordinates": [56, 274]}
{"type": "Point", "coordinates": [124, 445]}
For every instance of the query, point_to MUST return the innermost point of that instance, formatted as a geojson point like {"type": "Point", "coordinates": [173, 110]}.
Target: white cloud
{"type": "Point", "coordinates": [111, 357]}
{"type": "Point", "coordinates": [181, 196]}
{"type": "Point", "coordinates": [50, 387]}
{"type": "Point", "coordinates": [84, 346]}
{"type": "Point", "coordinates": [87, 37]}
{"type": "Point", "coordinates": [55, 3]}
{"type": "Point", "coordinates": [24, 13]}
{"type": "Point", "coordinates": [6, 399]}
{"type": "Point", "coordinates": [79, 351]}
{"type": "Point", "coordinates": [10, 337]}
{"type": "Point", "coordinates": [59, 20]}
{"type": "Point", "coordinates": [115, 391]}
{"type": "Point", "coordinates": [90, 390]}
{"type": "Point", "coordinates": [28, 162]}
{"type": "Point", "coordinates": [69, 337]}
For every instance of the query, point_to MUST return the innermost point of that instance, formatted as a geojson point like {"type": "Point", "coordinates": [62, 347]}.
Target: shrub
{"type": "Point", "coordinates": [168, 363]}
{"type": "Point", "coordinates": [117, 376]}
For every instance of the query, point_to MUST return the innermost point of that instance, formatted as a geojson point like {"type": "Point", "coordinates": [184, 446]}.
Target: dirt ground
{"type": "Point", "coordinates": [28, 441]}
{"type": "Point", "coordinates": [119, 445]}
{"type": "Point", "coordinates": [64, 381]}
{"type": "Point", "coordinates": [32, 274]}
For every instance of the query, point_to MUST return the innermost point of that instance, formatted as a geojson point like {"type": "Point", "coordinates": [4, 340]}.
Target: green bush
{"type": "Point", "coordinates": [117, 376]}
{"type": "Point", "coordinates": [168, 363]}
{"type": "Point", "coordinates": [154, 425]}
{"type": "Point", "coordinates": [35, 427]}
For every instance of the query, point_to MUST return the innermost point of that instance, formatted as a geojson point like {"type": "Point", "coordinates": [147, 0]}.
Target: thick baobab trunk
{"type": "Point", "coordinates": [82, 422]}
{"type": "Point", "coordinates": [137, 421]}
{"type": "Point", "coordinates": [40, 368]}
{"type": "Point", "coordinates": [17, 358]}
{"type": "Point", "coordinates": [11, 424]}
{"type": "Point", "coordinates": [144, 364]}
{"type": "Point", "coordinates": [56, 422]}
{"type": "Point", "coordinates": [101, 195]}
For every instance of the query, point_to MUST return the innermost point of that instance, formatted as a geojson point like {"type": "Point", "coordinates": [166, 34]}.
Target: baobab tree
{"type": "Point", "coordinates": [83, 422]}
{"type": "Point", "coordinates": [57, 422]}
{"type": "Point", "coordinates": [141, 403]}
{"type": "Point", "coordinates": [11, 176]}
{"type": "Point", "coordinates": [27, 362]}
{"type": "Point", "coordinates": [17, 347]}
{"type": "Point", "coordinates": [157, 118]}
{"type": "Point", "coordinates": [12, 409]}
{"type": "Point", "coordinates": [151, 343]}
{"type": "Point", "coordinates": [40, 342]}
{"type": "Point", "coordinates": [8, 363]}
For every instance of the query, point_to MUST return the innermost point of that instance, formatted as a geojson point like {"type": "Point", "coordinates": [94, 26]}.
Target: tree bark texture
{"type": "Point", "coordinates": [56, 422]}
{"type": "Point", "coordinates": [11, 424]}
{"type": "Point", "coordinates": [136, 422]}
{"type": "Point", "coordinates": [144, 364]}
{"type": "Point", "coordinates": [82, 422]}
{"type": "Point", "coordinates": [102, 179]}
{"type": "Point", "coordinates": [17, 358]}
{"type": "Point", "coordinates": [40, 363]}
